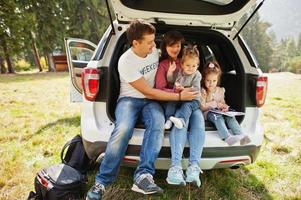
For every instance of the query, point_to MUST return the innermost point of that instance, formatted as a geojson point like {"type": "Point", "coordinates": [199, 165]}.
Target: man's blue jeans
{"type": "Point", "coordinates": [127, 112]}
{"type": "Point", "coordinates": [195, 136]}
{"type": "Point", "coordinates": [221, 122]}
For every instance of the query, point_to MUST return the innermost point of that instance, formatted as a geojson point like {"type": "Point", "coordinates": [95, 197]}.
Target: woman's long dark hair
{"type": "Point", "coordinates": [168, 39]}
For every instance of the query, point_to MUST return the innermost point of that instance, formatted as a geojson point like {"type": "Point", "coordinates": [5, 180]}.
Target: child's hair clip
{"type": "Point", "coordinates": [211, 65]}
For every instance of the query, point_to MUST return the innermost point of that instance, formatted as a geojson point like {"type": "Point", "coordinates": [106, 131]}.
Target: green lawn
{"type": "Point", "coordinates": [36, 119]}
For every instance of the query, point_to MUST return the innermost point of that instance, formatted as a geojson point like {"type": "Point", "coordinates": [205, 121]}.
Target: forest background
{"type": "Point", "coordinates": [32, 31]}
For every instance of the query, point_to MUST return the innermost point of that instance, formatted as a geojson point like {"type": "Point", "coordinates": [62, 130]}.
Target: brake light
{"type": "Point", "coordinates": [261, 90]}
{"type": "Point", "coordinates": [90, 82]}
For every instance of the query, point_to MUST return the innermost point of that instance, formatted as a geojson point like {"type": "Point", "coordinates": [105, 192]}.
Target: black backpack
{"type": "Point", "coordinates": [76, 155]}
{"type": "Point", "coordinates": [64, 181]}
{"type": "Point", "coordinates": [58, 182]}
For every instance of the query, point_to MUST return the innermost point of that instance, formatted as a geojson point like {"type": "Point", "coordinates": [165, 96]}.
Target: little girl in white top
{"type": "Point", "coordinates": [213, 97]}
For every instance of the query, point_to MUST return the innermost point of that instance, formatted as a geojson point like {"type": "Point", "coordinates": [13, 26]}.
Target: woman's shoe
{"type": "Point", "coordinates": [193, 175]}
{"type": "Point", "coordinates": [175, 176]}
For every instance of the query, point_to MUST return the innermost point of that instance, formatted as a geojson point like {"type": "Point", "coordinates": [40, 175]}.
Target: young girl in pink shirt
{"type": "Point", "coordinates": [213, 97]}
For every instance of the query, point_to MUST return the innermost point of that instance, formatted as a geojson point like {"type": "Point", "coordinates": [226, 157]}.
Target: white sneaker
{"type": "Point", "coordinates": [168, 124]}
{"type": "Point", "coordinates": [177, 122]}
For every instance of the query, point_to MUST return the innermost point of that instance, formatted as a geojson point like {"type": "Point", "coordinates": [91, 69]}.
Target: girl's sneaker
{"type": "Point", "coordinates": [178, 122]}
{"type": "Point", "coordinates": [232, 139]}
{"type": "Point", "coordinates": [245, 140]}
{"type": "Point", "coordinates": [175, 176]}
{"type": "Point", "coordinates": [193, 175]}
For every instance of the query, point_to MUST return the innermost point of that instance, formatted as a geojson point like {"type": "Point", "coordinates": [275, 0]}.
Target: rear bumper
{"type": "Point", "coordinates": [212, 157]}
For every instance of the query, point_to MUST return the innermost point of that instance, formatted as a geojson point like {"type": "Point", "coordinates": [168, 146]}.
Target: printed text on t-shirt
{"type": "Point", "coordinates": [149, 68]}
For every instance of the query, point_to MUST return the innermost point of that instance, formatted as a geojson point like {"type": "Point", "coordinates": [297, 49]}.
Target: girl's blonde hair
{"type": "Point", "coordinates": [190, 52]}
{"type": "Point", "coordinates": [211, 67]}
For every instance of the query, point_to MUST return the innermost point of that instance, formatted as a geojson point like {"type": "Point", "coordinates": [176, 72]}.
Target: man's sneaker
{"type": "Point", "coordinates": [145, 184]}
{"type": "Point", "coordinates": [193, 175]}
{"type": "Point", "coordinates": [95, 192]}
{"type": "Point", "coordinates": [245, 140]}
{"type": "Point", "coordinates": [175, 176]}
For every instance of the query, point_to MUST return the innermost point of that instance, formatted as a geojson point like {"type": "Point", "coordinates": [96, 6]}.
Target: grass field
{"type": "Point", "coordinates": [36, 119]}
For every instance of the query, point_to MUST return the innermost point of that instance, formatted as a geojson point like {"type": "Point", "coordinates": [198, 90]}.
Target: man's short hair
{"type": "Point", "coordinates": [137, 29]}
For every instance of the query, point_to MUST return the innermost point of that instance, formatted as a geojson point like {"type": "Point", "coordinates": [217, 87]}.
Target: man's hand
{"type": "Point", "coordinates": [188, 94]}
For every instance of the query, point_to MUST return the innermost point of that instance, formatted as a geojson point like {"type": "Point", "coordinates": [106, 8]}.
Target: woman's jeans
{"type": "Point", "coordinates": [195, 136]}
{"type": "Point", "coordinates": [221, 122]}
{"type": "Point", "coordinates": [181, 109]}
{"type": "Point", "coordinates": [127, 112]}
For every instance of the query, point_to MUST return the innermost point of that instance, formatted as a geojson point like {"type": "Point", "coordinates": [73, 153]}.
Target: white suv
{"type": "Point", "coordinates": [207, 23]}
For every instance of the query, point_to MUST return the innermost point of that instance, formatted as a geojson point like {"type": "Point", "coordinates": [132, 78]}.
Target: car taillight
{"type": "Point", "coordinates": [261, 90]}
{"type": "Point", "coordinates": [90, 82]}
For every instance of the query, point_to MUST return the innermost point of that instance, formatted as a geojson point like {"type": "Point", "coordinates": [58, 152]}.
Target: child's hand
{"type": "Point", "coordinates": [203, 93]}
{"type": "Point", "coordinates": [178, 87]}
{"type": "Point", "coordinates": [172, 67]}
{"type": "Point", "coordinates": [223, 107]}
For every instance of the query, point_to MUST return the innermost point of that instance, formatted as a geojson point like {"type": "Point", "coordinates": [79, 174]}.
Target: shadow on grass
{"type": "Point", "coordinates": [7, 78]}
{"type": "Point", "coordinates": [216, 184]}
{"type": "Point", "coordinates": [71, 121]}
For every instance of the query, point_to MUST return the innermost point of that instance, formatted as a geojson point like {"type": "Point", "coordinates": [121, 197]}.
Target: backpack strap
{"type": "Point", "coordinates": [33, 196]}
{"type": "Point", "coordinates": [76, 139]}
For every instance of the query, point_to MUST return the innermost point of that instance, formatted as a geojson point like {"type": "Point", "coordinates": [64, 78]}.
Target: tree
{"type": "Point", "coordinates": [48, 26]}
{"type": "Point", "coordinates": [2, 67]}
{"type": "Point", "coordinates": [292, 48]}
{"type": "Point", "coordinates": [86, 19]}
{"type": "Point", "coordinates": [8, 31]}
{"type": "Point", "coordinates": [40, 26]}
{"type": "Point", "coordinates": [25, 7]}
{"type": "Point", "coordinates": [294, 64]}
{"type": "Point", "coordinates": [255, 34]}
{"type": "Point", "coordinates": [279, 55]}
{"type": "Point", "coordinates": [15, 25]}
{"type": "Point", "coordinates": [299, 45]}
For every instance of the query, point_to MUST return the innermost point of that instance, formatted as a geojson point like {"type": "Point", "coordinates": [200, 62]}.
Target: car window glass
{"type": "Point", "coordinates": [81, 51]}
{"type": "Point", "coordinates": [208, 53]}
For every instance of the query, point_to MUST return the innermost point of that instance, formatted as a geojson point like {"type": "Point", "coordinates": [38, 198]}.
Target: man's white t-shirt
{"type": "Point", "coordinates": [131, 67]}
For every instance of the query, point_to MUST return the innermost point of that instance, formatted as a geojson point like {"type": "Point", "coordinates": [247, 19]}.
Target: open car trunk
{"type": "Point", "coordinates": [212, 46]}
